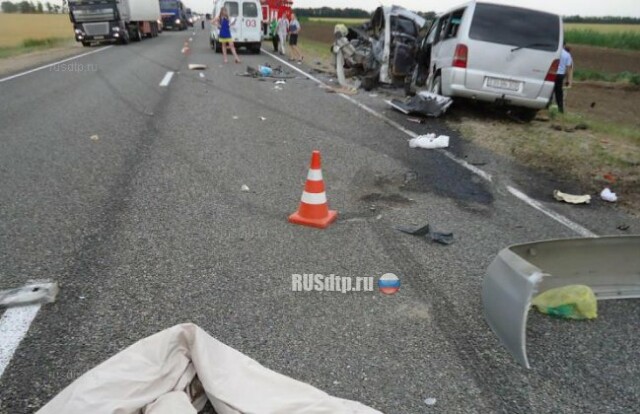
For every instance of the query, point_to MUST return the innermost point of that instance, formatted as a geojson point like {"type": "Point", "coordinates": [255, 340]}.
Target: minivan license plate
{"type": "Point", "coordinates": [503, 84]}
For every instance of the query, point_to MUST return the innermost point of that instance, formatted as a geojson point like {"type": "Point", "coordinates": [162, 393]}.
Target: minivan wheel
{"type": "Point", "coordinates": [527, 114]}
{"type": "Point", "coordinates": [436, 85]}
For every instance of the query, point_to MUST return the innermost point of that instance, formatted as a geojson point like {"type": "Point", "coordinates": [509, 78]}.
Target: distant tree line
{"type": "Point", "coordinates": [30, 7]}
{"type": "Point", "coordinates": [331, 12]}
{"type": "Point", "coordinates": [604, 20]}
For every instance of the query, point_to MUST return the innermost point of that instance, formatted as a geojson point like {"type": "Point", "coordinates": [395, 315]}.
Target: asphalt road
{"type": "Point", "coordinates": [146, 227]}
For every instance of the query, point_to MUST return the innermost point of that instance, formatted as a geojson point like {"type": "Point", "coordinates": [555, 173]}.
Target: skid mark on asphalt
{"type": "Point", "coordinates": [14, 325]}
{"type": "Point", "coordinates": [575, 227]}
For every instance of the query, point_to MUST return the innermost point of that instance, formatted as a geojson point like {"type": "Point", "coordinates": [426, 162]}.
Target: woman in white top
{"type": "Point", "coordinates": [283, 28]}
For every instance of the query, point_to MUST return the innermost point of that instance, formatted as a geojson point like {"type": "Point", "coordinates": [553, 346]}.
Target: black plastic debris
{"type": "Point", "coordinates": [445, 238]}
{"type": "Point", "coordinates": [424, 103]}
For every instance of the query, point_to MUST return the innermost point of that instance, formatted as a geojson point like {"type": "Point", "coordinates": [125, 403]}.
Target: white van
{"type": "Point", "coordinates": [491, 52]}
{"type": "Point", "coordinates": [246, 24]}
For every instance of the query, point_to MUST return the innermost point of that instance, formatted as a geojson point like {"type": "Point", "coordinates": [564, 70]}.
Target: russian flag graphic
{"type": "Point", "coordinates": [389, 284]}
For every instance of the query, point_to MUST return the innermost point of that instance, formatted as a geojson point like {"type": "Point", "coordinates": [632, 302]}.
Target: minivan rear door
{"type": "Point", "coordinates": [511, 49]}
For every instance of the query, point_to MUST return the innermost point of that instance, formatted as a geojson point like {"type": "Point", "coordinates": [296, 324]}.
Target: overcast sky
{"type": "Point", "coordinates": [563, 7]}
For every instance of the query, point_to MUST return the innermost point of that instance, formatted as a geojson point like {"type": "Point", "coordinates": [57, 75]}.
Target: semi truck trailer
{"type": "Point", "coordinates": [114, 20]}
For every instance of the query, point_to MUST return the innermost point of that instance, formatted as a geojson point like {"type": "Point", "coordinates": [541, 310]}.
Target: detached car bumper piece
{"type": "Point", "coordinates": [610, 266]}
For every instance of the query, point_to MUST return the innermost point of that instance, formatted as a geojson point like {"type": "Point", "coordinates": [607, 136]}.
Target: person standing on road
{"type": "Point", "coordinates": [224, 37]}
{"type": "Point", "coordinates": [565, 73]}
{"type": "Point", "coordinates": [294, 30]}
{"type": "Point", "coordinates": [283, 28]}
{"type": "Point", "coordinates": [273, 32]}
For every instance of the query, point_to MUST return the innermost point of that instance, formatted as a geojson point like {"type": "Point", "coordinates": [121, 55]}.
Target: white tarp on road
{"type": "Point", "coordinates": [156, 376]}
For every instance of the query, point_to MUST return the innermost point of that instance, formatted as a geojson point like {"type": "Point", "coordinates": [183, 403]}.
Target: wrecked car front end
{"type": "Point", "coordinates": [380, 51]}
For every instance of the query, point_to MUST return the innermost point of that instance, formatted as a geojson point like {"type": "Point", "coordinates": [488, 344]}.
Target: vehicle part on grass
{"type": "Point", "coordinates": [382, 49]}
{"type": "Point", "coordinates": [429, 141]}
{"type": "Point", "coordinates": [426, 231]}
{"type": "Point", "coordinates": [423, 103]}
{"type": "Point", "coordinates": [608, 195]}
{"type": "Point", "coordinates": [568, 302]}
{"type": "Point", "coordinates": [35, 291]}
{"type": "Point", "coordinates": [186, 368]}
{"type": "Point", "coordinates": [313, 210]}
{"type": "Point", "coordinates": [197, 66]}
{"type": "Point", "coordinates": [571, 198]}
{"type": "Point", "coordinates": [608, 265]}
{"type": "Point", "coordinates": [623, 227]}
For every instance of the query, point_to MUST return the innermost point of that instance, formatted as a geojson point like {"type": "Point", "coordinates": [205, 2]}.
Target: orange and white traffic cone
{"type": "Point", "coordinates": [314, 209]}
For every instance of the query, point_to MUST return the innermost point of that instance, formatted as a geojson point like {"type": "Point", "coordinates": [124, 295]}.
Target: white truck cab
{"type": "Point", "coordinates": [246, 24]}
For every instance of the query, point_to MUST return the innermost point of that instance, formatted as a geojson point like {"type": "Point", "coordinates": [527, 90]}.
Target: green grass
{"type": "Point", "coordinates": [628, 40]}
{"type": "Point", "coordinates": [336, 20]}
{"type": "Point", "coordinates": [32, 45]}
{"type": "Point", "coordinates": [316, 50]}
{"type": "Point", "coordinates": [594, 75]}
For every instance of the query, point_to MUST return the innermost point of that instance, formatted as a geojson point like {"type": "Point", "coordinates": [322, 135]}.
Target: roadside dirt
{"type": "Point", "coordinates": [606, 102]}
{"type": "Point", "coordinates": [17, 63]}
{"type": "Point", "coordinates": [605, 60]}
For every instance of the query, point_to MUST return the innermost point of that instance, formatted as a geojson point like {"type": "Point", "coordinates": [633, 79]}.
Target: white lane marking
{"type": "Point", "coordinates": [14, 325]}
{"type": "Point", "coordinates": [167, 79]}
{"type": "Point", "coordinates": [17, 75]}
{"type": "Point", "coordinates": [481, 173]}
{"type": "Point", "coordinates": [557, 217]}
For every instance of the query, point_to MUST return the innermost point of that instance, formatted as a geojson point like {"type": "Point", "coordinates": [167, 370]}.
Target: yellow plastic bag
{"type": "Point", "coordinates": [568, 302]}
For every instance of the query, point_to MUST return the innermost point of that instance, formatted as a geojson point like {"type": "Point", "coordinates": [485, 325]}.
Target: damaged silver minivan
{"type": "Point", "coordinates": [493, 53]}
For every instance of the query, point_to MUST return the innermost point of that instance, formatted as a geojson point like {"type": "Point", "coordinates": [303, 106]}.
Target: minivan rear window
{"type": "Point", "coordinates": [232, 8]}
{"type": "Point", "coordinates": [515, 26]}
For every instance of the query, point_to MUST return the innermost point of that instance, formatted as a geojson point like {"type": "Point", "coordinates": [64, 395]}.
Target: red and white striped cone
{"type": "Point", "coordinates": [314, 209]}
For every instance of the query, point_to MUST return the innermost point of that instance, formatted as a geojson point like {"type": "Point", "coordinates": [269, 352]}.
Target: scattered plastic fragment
{"type": "Point", "coordinates": [424, 103]}
{"type": "Point", "coordinates": [201, 75]}
{"type": "Point", "coordinates": [235, 117]}
{"type": "Point", "coordinates": [571, 198]}
{"type": "Point", "coordinates": [280, 82]}
{"type": "Point", "coordinates": [430, 401]}
{"type": "Point", "coordinates": [94, 137]}
{"type": "Point", "coordinates": [608, 195]}
{"type": "Point", "coordinates": [262, 118]}
{"type": "Point", "coordinates": [37, 291]}
{"type": "Point", "coordinates": [429, 141]}
{"type": "Point", "coordinates": [244, 188]}
{"type": "Point", "coordinates": [568, 302]}
{"type": "Point", "coordinates": [445, 238]}
{"type": "Point", "coordinates": [416, 120]}
{"type": "Point", "coordinates": [197, 66]}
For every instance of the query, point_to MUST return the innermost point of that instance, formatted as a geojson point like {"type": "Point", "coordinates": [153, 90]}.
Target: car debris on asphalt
{"type": "Point", "coordinates": [608, 265]}
{"type": "Point", "coordinates": [423, 103]}
{"type": "Point", "coordinates": [445, 238]}
{"type": "Point", "coordinates": [42, 291]}
{"type": "Point", "coordinates": [197, 66]}
{"type": "Point", "coordinates": [608, 195]}
{"type": "Point", "coordinates": [571, 198]}
{"type": "Point", "coordinates": [244, 188]}
{"type": "Point", "coordinates": [429, 141]}
{"type": "Point", "coordinates": [266, 71]}
{"type": "Point", "coordinates": [187, 369]}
